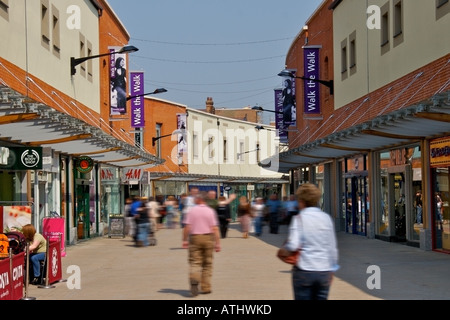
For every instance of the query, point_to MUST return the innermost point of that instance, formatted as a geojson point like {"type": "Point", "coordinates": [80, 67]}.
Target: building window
{"type": "Point", "coordinates": [211, 147]}
{"type": "Point", "coordinates": [352, 53]}
{"type": "Point", "coordinates": [442, 8]}
{"type": "Point", "coordinates": [195, 145]}
{"type": "Point", "coordinates": [344, 59]}
{"type": "Point", "coordinates": [4, 9]}
{"type": "Point", "coordinates": [398, 22]}
{"type": "Point", "coordinates": [385, 29]}
{"type": "Point", "coordinates": [45, 25]}
{"type": "Point", "coordinates": [82, 54]}
{"type": "Point", "coordinates": [258, 155]}
{"type": "Point", "coordinates": [241, 151]}
{"type": "Point", "coordinates": [158, 144]}
{"type": "Point", "coordinates": [225, 150]}
{"type": "Point", "coordinates": [56, 42]}
{"type": "Point", "coordinates": [398, 18]}
{"type": "Point", "coordinates": [89, 62]}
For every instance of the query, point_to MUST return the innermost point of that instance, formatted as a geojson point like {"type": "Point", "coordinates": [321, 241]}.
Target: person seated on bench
{"type": "Point", "coordinates": [37, 249]}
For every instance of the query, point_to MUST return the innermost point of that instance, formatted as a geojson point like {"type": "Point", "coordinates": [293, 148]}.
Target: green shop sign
{"type": "Point", "coordinates": [21, 158]}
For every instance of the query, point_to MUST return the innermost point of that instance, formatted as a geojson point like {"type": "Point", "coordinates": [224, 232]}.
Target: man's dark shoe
{"type": "Point", "coordinates": [194, 289]}
{"type": "Point", "coordinates": [35, 281]}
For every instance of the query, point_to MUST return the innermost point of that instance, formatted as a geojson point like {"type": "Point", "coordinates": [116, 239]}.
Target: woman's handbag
{"type": "Point", "coordinates": [290, 257]}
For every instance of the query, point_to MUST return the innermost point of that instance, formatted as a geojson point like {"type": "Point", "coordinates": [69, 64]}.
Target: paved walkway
{"type": "Point", "coordinates": [245, 269]}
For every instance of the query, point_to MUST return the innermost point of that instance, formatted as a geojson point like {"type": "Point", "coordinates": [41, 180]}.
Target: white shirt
{"type": "Point", "coordinates": [313, 231]}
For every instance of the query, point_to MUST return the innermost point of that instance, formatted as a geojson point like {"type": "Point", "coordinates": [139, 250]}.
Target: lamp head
{"type": "Point", "coordinates": [286, 73]}
{"type": "Point", "coordinates": [257, 108]}
{"type": "Point", "coordinates": [127, 49]}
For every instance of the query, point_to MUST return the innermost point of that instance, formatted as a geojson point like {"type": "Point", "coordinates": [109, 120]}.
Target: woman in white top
{"type": "Point", "coordinates": [313, 231]}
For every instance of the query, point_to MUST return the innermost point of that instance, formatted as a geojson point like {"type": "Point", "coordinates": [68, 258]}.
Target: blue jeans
{"type": "Point", "coordinates": [142, 233]}
{"type": "Point", "coordinates": [35, 259]}
{"type": "Point", "coordinates": [258, 225]}
{"type": "Point", "coordinates": [311, 285]}
{"type": "Point", "coordinates": [419, 215]}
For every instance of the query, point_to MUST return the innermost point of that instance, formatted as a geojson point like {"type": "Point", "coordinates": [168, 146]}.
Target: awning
{"type": "Point", "coordinates": [29, 123]}
{"type": "Point", "coordinates": [425, 120]}
{"type": "Point", "coordinates": [192, 178]}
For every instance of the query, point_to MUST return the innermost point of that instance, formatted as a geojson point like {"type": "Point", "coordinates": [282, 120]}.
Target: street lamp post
{"type": "Point", "coordinates": [154, 139]}
{"type": "Point", "coordinates": [159, 90]}
{"type": "Point", "coordinates": [76, 61]}
{"type": "Point", "coordinates": [258, 108]}
{"type": "Point", "coordinates": [327, 83]}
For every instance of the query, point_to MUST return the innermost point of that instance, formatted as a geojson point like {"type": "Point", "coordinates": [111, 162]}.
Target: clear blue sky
{"type": "Point", "coordinates": [230, 50]}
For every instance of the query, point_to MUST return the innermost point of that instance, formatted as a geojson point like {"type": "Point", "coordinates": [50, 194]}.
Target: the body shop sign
{"type": "Point", "coordinates": [24, 158]}
{"type": "Point", "coordinates": [440, 152]}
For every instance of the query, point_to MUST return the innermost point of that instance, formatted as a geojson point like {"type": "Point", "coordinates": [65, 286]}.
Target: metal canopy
{"type": "Point", "coordinates": [192, 178]}
{"type": "Point", "coordinates": [425, 120]}
{"type": "Point", "coordinates": [29, 123]}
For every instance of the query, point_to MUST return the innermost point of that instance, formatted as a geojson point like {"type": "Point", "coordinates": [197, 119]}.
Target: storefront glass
{"type": "Point", "coordinates": [440, 177]}
{"type": "Point", "coordinates": [400, 217]}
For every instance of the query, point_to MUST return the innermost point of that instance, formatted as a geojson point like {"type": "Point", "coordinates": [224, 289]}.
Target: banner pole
{"type": "Point", "coordinates": [47, 262]}
{"type": "Point", "coordinates": [27, 274]}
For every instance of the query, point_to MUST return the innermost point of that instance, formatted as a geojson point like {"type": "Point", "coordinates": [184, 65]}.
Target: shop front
{"type": "Point", "coordinates": [440, 181]}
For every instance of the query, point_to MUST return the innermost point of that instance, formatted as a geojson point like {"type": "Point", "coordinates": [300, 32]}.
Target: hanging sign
{"type": "Point", "coordinates": [23, 158]}
{"type": "Point", "coordinates": [84, 164]}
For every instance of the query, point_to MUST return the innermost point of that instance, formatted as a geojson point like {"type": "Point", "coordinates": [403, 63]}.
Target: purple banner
{"type": "Point", "coordinates": [312, 93]}
{"type": "Point", "coordinates": [137, 103]}
{"type": "Point", "coordinates": [279, 120]}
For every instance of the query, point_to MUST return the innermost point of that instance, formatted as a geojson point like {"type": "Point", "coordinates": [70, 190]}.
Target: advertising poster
{"type": "Point", "coordinates": [54, 265]}
{"type": "Point", "coordinates": [118, 81]}
{"type": "Point", "coordinates": [5, 283]}
{"type": "Point", "coordinates": [288, 102]}
{"type": "Point", "coordinates": [17, 276]}
{"type": "Point", "coordinates": [53, 230]}
{"type": "Point", "coordinates": [182, 143]}
{"type": "Point", "coordinates": [15, 217]}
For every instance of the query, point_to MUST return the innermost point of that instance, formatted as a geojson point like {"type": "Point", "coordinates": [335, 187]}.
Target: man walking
{"type": "Point", "coordinates": [201, 237]}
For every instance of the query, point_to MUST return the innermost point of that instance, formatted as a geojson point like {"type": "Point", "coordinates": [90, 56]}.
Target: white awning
{"type": "Point", "coordinates": [33, 124]}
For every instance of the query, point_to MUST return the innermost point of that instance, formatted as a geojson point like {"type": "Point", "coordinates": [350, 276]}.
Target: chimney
{"type": "Point", "coordinates": [210, 105]}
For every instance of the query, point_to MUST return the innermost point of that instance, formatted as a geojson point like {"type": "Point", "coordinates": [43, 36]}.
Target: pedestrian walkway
{"type": "Point", "coordinates": [245, 269]}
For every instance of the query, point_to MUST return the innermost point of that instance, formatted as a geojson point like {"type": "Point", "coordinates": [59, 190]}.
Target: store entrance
{"type": "Point", "coordinates": [83, 211]}
{"type": "Point", "coordinates": [357, 203]}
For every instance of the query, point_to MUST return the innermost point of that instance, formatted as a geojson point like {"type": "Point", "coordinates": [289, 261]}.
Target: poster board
{"type": "Point", "coordinates": [116, 226]}
{"type": "Point", "coordinates": [53, 230]}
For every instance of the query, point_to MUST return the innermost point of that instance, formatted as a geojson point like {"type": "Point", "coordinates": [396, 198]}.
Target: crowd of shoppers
{"type": "Point", "coordinates": [205, 220]}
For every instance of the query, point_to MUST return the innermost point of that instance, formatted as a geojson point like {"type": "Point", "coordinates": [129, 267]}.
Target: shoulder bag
{"type": "Point", "coordinates": [289, 257]}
